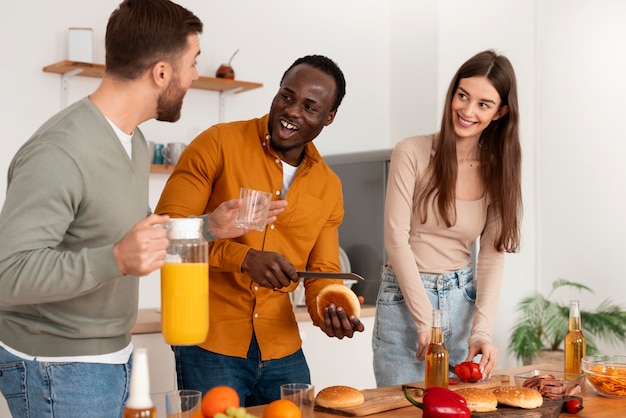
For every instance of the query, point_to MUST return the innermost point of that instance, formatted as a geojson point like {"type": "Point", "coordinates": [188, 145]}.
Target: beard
{"type": "Point", "coordinates": [170, 102]}
{"type": "Point", "coordinates": [281, 147]}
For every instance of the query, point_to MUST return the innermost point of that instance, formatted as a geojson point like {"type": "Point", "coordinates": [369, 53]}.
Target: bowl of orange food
{"type": "Point", "coordinates": [606, 374]}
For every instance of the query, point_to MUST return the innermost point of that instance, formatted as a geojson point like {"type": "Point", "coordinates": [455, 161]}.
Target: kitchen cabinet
{"type": "Point", "coordinates": [332, 361]}
{"type": "Point", "coordinates": [223, 86]}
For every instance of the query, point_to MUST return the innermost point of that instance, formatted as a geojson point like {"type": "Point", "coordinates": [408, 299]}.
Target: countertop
{"type": "Point", "coordinates": [149, 320]}
{"type": "Point", "coordinates": [594, 404]}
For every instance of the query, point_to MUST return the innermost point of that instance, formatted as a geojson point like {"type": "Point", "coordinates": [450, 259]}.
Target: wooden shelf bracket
{"type": "Point", "coordinates": [221, 116]}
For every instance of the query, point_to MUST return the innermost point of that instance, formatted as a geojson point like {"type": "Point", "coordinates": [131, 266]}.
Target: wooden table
{"type": "Point", "coordinates": [595, 405]}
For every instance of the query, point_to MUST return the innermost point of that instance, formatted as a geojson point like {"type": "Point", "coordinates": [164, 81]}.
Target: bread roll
{"type": "Point", "coordinates": [479, 400]}
{"type": "Point", "coordinates": [340, 295]}
{"type": "Point", "coordinates": [339, 397]}
{"type": "Point", "coordinates": [521, 397]}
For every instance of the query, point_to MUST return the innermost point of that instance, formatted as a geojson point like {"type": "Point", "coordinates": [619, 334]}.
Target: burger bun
{"type": "Point", "coordinates": [339, 295]}
{"type": "Point", "coordinates": [479, 400]}
{"type": "Point", "coordinates": [519, 396]}
{"type": "Point", "coordinates": [339, 397]}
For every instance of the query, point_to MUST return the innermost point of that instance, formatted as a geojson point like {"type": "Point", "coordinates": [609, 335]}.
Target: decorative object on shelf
{"type": "Point", "coordinates": [157, 158]}
{"type": "Point", "coordinates": [543, 323]}
{"type": "Point", "coordinates": [226, 70]}
{"type": "Point", "coordinates": [171, 152]}
{"type": "Point", "coordinates": [80, 44]}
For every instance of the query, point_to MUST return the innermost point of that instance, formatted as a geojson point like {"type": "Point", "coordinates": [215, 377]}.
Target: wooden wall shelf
{"type": "Point", "coordinates": [161, 168]}
{"type": "Point", "coordinates": [84, 69]}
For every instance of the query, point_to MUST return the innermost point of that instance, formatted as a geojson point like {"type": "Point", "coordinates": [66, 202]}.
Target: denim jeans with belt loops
{"type": "Point", "coordinates": [394, 340]}
{"type": "Point", "coordinates": [37, 389]}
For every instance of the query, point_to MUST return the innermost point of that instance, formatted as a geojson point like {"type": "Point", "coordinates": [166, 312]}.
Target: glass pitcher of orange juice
{"type": "Point", "coordinates": [185, 284]}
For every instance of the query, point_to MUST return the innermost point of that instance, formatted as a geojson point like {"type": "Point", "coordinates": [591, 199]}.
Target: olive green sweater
{"type": "Point", "coordinates": [72, 194]}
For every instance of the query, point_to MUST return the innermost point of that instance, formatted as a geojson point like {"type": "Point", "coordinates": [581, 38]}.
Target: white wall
{"type": "Point", "coordinates": [398, 58]}
{"type": "Point", "coordinates": [581, 148]}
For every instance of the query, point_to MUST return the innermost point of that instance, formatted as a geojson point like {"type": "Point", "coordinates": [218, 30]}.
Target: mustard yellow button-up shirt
{"type": "Point", "coordinates": [211, 170]}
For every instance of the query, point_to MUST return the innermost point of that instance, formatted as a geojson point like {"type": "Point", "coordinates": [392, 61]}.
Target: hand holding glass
{"type": "Point", "coordinates": [253, 213]}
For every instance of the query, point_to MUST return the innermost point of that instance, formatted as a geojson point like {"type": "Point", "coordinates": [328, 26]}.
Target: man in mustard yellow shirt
{"type": "Point", "coordinates": [253, 344]}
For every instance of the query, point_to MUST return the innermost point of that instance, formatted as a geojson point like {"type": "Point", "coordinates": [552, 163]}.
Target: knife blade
{"type": "Point", "coordinates": [328, 275]}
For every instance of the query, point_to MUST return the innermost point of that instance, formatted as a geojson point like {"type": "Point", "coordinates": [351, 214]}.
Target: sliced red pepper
{"type": "Point", "coordinates": [468, 371]}
{"type": "Point", "coordinates": [439, 403]}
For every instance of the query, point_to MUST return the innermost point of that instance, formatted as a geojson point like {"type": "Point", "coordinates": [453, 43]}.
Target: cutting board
{"type": "Point", "coordinates": [392, 397]}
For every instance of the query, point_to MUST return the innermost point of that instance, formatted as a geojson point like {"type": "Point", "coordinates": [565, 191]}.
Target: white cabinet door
{"type": "Point", "coordinates": [339, 362]}
{"type": "Point", "coordinates": [4, 408]}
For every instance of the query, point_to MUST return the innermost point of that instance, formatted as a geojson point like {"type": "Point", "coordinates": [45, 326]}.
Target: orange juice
{"type": "Point", "coordinates": [184, 303]}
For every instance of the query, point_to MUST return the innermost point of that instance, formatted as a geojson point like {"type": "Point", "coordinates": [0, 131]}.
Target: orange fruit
{"type": "Point", "coordinates": [198, 414]}
{"type": "Point", "coordinates": [217, 399]}
{"type": "Point", "coordinates": [282, 408]}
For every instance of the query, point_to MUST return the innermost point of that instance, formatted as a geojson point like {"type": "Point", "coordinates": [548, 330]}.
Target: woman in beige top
{"type": "Point", "coordinates": [444, 192]}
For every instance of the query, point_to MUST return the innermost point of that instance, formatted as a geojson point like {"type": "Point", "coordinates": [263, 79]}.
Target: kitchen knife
{"type": "Point", "coordinates": [329, 275]}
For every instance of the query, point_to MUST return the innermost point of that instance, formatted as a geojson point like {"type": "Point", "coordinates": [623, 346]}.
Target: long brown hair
{"type": "Point", "coordinates": [141, 33]}
{"type": "Point", "coordinates": [500, 154]}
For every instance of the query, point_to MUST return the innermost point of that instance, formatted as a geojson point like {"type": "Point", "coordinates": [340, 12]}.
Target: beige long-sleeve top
{"type": "Point", "coordinates": [414, 247]}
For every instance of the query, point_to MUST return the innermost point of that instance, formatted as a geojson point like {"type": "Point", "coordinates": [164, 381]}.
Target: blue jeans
{"type": "Point", "coordinates": [63, 390]}
{"type": "Point", "coordinates": [394, 339]}
{"type": "Point", "coordinates": [256, 381]}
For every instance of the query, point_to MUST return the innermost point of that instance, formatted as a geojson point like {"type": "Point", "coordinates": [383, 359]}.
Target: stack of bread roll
{"type": "Point", "coordinates": [484, 400]}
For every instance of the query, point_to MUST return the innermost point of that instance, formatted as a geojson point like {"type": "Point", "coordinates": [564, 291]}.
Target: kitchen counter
{"type": "Point", "coordinates": [149, 320]}
{"type": "Point", "coordinates": [594, 404]}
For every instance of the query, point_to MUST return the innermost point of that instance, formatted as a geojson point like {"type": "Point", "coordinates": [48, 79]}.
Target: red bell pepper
{"type": "Point", "coordinates": [468, 372]}
{"type": "Point", "coordinates": [439, 403]}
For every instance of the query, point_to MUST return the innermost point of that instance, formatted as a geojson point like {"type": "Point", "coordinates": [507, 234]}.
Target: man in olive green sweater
{"type": "Point", "coordinates": [76, 230]}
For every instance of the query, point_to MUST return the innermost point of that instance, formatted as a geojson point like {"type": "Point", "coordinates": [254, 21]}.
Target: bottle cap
{"type": "Point", "coordinates": [184, 228]}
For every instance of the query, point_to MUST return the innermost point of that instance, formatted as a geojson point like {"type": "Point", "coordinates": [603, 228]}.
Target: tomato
{"type": "Point", "coordinates": [573, 406]}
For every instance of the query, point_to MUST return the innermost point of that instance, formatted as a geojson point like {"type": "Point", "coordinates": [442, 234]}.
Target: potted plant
{"type": "Point", "coordinates": [543, 323]}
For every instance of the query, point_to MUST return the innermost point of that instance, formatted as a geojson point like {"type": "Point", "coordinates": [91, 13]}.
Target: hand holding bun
{"type": "Point", "coordinates": [521, 397]}
{"type": "Point", "coordinates": [339, 396]}
{"type": "Point", "coordinates": [339, 295]}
